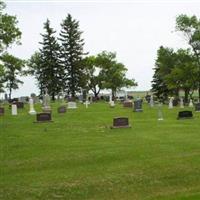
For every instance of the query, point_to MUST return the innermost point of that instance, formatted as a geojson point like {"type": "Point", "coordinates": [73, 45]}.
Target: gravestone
{"type": "Point", "coordinates": [32, 110]}
{"type": "Point", "coordinates": [151, 101]}
{"type": "Point", "coordinates": [197, 107]}
{"type": "Point", "coordinates": [46, 102]}
{"type": "Point", "coordinates": [71, 105]}
{"type": "Point", "coordinates": [43, 117]}
{"type": "Point", "coordinates": [171, 103]}
{"type": "Point", "coordinates": [175, 102]}
{"type": "Point", "coordinates": [2, 111]}
{"type": "Point", "coordinates": [185, 115]}
{"type": "Point", "coordinates": [191, 104]}
{"type": "Point", "coordinates": [138, 106]}
{"type": "Point", "coordinates": [14, 109]}
{"type": "Point", "coordinates": [112, 104]}
{"type": "Point", "coordinates": [62, 109]}
{"type": "Point", "coordinates": [128, 104]}
{"type": "Point", "coordinates": [121, 122]}
{"type": "Point", "coordinates": [181, 103]}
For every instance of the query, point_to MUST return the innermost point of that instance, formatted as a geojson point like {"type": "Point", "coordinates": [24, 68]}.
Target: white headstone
{"type": "Point", "coordinates": [14, 109]}
{"type": "Point", "coordinates": [71, 105]}
{"type": "Point", "coordinates": [110, 98]}
{"type": "Point", "coordinates": [191, 104]}
{"type": "Point", "coordinates": [151, 101]}
{"type": "Point", "coordinates": [32, 110]}
{"type": "Point", "coordinates": [171, 103]}
{"type": "Point", "coordinates": [181, 103]}
{"type": "Point", "coordinates": [112, 104]}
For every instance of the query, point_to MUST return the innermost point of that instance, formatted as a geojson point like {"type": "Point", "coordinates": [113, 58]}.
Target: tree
{"type": "Point", "coordinates": [164, 64]}
{"type": "Point", "coordinates": [45, 64]}
{"type": "Point", "coordinates": [92, 79]}
{"type": "Point", "coordinates": [184, 73]}
{"type": "Point", "coordinates": [190, 27]}
{"type": "Point", "coordinates": [9, 33]}
{"type": "Point", "coordinates": [113, 73]}
{"type": "Point", "coordinates": [13, 67]}
{"type": "Point", "coordinates": [71, 54]}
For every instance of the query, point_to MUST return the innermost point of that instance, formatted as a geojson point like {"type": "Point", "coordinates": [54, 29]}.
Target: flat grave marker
{"type": "Point", "coordinates": [120, 122]}
{"type": "Point", "coordinates": [62, 109]}
{"type": "Point", "coordinates": [43, 117]}
{"type": "Point", "coordinates": [185, 115]}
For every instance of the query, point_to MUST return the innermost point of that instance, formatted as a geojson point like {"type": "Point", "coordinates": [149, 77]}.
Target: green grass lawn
{"type": "Point", "coordinates": [79, 157]}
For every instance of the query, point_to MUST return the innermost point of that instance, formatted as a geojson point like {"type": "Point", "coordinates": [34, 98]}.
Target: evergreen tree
{"type": "Point", "coordinates": [71, 54]}
{"type": "Point", "coordinates": [45, 64]}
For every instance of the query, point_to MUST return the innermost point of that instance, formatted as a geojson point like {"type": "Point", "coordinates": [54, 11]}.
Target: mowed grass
{"type": "Point", "coordinates": [79, 157]}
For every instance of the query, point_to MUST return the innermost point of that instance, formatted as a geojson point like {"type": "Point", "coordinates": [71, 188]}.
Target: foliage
{"type": "Point", "coordinates": [9, 33]}
{"type": "Point", "coordinates": [113, 73]}
{"type": "Point", "coordinates": [72, 54]}
{"type": "Point", "coordinates": [190, 27]}
{"type": "Point", "coordinates": [45, 64]}
{"type": "Point", "coordinates": [12, 69]}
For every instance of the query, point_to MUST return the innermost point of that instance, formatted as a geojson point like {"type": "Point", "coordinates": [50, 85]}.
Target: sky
{"type": "Point", "coordinates": [133, 29]}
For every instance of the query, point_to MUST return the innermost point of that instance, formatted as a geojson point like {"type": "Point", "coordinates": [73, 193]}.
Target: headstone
{"type": "Point", "coordinates": [185, 115]}
{"type": "Point", "coordinates": [128, 104]}
{"type": "Point", "coordinates": [14, 109]}
{"type": "Point", "coordinates": [62, 109]}
{"type": "Point", "coordinates": [138, 106]}
{"type": "Point", "coordinates": [171, 103]}
{"type": "Point", "coordinates": [43, 117]}
{"type": "Point", "coordinates": [175, 102]}
{"type": "Point", "coordinates": [84, 93]}
{"type": "Point", "coordinates": [46, 102]}
{"type": "Point", "coordinates": [160, 113]}
{"type": "Point", "coordinates": [151, 101]}
{"type": "Point", "coordinates": [112, 104]}
{"type": "Point", "coordinates": [197, 107]}
{"type": "Point", "coordinates": [191, 104]}
{"type": "Point", "coordinates": [181, 103]}
{"type": "Point", "coordinates": [32, 110]}
{"type": "Point", "coordinates": [71, 105]}
{"type": "Point", "coordinates": [2, 111]}
{"type": "Point", "coordinates": [121, 122]}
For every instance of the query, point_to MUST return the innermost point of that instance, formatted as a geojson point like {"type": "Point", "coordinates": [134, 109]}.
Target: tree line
{"type": "Point", "coordinates": [177, 70]}
{"type": "Point", "coordinates": [60, 64]}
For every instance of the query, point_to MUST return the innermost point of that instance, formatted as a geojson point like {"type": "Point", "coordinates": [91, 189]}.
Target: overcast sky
{"type": "Point", "coordinates": [133, 29]}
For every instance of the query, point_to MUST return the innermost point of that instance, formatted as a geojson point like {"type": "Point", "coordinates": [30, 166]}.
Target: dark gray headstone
{"type": "Point", "coordinates": [185, 115]}
{"type": "Point", "coordinates": [120, 122]}
{"type": "Point", "coordinates": [43, 117]}
{"type": "Point", "coordinates": [138, 106]}
{"type": "Point", "coordinates": [175, 102]}
{"type": "Point", "coordinates": [62, 109]}
{"type": "Point", "coordinates": [2, 111]}
{"type": "Point", "coordinates": [197, 107]}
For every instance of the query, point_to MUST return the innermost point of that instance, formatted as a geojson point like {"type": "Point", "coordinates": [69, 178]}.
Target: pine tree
{"type": "Point", "coordinates": [50, 72]}
{"type": "Point", "coordinates": [71, 54]}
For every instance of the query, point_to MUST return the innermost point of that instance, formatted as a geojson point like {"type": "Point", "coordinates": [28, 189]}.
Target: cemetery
{"type": "Point", "coordinates": [94, 104]}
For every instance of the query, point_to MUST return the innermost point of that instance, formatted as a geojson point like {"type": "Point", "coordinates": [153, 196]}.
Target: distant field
{"type": "Point", "coordinates": [78, 156]}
